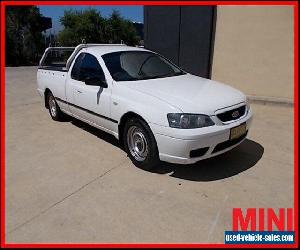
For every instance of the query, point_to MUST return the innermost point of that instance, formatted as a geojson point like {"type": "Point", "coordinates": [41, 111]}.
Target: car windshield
{"type": "Point", "coordinates": [139, 65]}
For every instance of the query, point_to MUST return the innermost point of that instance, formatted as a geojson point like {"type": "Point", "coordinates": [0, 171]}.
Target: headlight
{"type": "Point", "coordinates": [186, 121]}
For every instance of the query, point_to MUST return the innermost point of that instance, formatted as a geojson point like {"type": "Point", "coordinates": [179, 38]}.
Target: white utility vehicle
{"type": "Point", "coordinates": [157, 110]}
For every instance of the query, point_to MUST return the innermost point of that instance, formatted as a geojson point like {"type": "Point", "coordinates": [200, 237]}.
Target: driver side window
{"type": "Point", "coordinates": [76, 66]}
{"type": "Point", "coordinates": [86, 66]}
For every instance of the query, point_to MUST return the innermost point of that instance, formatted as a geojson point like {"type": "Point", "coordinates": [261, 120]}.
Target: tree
{"type": "Point", "coordinates": [91, 27]}
{"type": "Point", "coordinates": [120, 29]}
{"type": "Point", "coordinates": [24, 39]}
{"type": "Point", "coordinates": [79, 25]}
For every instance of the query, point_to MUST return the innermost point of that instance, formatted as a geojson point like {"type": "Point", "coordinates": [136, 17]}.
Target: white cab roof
{"type": "Point", "coordinates": [101, 50]}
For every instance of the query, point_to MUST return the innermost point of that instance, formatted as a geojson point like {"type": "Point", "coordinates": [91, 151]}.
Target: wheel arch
{"type": "Point", "coordinates": [125, 117]}
{"type": "Point", "coordinates": [46, 92]}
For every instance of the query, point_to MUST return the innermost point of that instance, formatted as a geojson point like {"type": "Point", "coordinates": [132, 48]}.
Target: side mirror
{"type": "Point", "coordinates": [95, 81]}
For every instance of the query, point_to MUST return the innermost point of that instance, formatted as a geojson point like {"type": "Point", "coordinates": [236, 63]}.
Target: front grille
{"type": "Point", "coordinates": [233, 114]}
{"type": "Point", "coordinates": [198, 152]}
{"type": "Point", "coordinates": [226, 144]}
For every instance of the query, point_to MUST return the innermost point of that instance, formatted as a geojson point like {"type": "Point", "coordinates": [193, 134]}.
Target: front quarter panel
{"type": "Point", "coordinates": [150, 108]}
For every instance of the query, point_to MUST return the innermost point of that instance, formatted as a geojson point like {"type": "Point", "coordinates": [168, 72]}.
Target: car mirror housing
{"type": "Point", "coordinates": [96, 81]}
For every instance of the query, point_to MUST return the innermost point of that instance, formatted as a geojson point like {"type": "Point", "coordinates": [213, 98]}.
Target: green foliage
{"type": "Point", "coordinates": [24, 40]}
{"type": "Point", "coordinates": [80, 25]}
{"type": "Point", "coordinates": [93, 28]}
{"type": "Point", "coordinates": [119, 29]}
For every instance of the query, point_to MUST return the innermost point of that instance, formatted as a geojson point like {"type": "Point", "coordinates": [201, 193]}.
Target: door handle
{"type": "Point", "coordinates": [79, 91]}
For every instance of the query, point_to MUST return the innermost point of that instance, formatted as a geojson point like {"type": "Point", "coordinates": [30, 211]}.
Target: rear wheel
{"type": "Point", "coordinates": [140, 144]}
{"type": "Point", "coordinates": [54, 110]}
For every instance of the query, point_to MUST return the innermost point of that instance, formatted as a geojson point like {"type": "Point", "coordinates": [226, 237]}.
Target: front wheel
{"type": "Point", "coordinates": [140, 144]}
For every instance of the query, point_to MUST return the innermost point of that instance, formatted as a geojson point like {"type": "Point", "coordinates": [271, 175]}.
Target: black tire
{"type": "Point", "coordinates": [151, 160]}
{"type": "Point", "coordinates": [56, 115]}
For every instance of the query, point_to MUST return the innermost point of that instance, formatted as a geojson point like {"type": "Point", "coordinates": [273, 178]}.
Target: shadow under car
{"type": "Point", "coordinates": [231, 163]}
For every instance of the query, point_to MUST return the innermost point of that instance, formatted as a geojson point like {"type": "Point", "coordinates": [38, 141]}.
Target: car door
{"type": "Point", "coordinates": [88, 102]}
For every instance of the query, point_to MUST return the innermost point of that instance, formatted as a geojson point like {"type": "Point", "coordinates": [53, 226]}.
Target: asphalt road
{"type": "Point", "coordinates": [68, 182]}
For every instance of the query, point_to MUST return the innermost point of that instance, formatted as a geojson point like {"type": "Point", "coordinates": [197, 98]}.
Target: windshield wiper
{"type": "Point", "coordinates": [161, 76]}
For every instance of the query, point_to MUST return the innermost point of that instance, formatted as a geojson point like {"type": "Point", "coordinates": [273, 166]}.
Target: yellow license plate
{"type": "Point", "coordinates": [238, 131]}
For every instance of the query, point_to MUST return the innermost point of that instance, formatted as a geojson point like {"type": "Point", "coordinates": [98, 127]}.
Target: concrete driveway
{"type": "Point", "coordinates": [68, 182]}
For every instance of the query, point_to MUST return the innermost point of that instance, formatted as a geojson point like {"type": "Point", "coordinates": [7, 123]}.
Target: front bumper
{"type": "Point", "coordinates": [175, 145]}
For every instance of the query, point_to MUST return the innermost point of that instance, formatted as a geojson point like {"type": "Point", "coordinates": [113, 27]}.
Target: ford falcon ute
{"type": "Point", "coordinates": [157, 111]}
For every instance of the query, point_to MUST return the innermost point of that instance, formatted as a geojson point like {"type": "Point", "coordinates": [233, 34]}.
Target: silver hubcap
{"type": "Point", "coordinates": [52, 106]}
{"type": "Point", "coordinates": [137, 143]}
